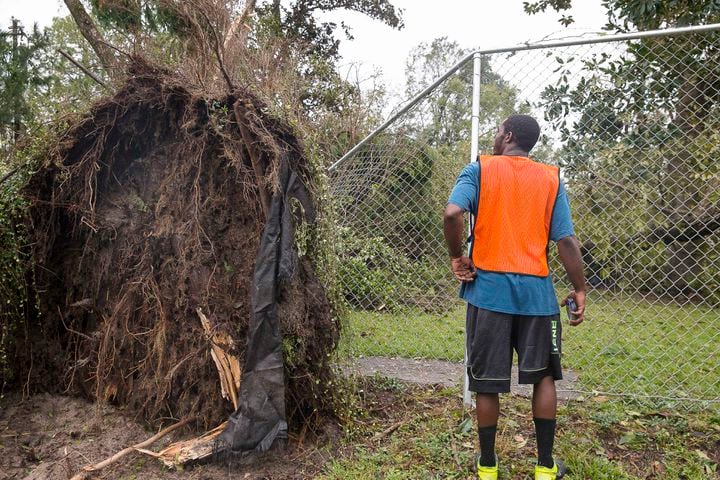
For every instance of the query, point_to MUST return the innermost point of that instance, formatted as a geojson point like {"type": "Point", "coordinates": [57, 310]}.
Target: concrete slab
{"type": "Point", "coordinates": [447, 374]}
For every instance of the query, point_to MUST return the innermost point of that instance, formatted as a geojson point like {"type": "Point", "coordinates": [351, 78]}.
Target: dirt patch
{"type": "Point", "coordinates": [51, 437]}
{"type": "Point", "coordinates": [447, 374]}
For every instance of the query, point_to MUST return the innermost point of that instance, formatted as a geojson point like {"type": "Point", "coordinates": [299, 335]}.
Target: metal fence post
{"type": "Point", "coordinates": [468, 399]}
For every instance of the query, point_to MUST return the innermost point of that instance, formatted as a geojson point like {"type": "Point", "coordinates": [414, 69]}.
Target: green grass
{"type": "Point", "coordinates": [627, 345]}
{"type": "Point", "coordinates": [648, 348]}
{"type": "Point", "coordinates": [435, 437]}
{"type": "Point", "coordinates": [408, 334]}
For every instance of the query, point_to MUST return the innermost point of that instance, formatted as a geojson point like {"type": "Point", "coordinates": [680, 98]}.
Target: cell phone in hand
{"type": "Point", "coordinates": [570, 306]}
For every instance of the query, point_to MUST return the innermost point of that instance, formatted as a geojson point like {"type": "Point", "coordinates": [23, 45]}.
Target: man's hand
{"type": "Point", "coordinates": [571, 258]}
{"type": "Point", "coordinates": [579, 298]}
{"type": "Point", "coordinates": [463, 268]}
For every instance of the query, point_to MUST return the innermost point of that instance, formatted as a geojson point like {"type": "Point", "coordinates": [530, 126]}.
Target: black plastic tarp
{"type": "Point", "coordinates": [259, 420]}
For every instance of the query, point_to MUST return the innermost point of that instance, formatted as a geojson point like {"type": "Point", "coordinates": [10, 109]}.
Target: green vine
{"type": "Point", "coordinates": [13, 289]}
{"type": "Point", "coordinates": [15, 304]}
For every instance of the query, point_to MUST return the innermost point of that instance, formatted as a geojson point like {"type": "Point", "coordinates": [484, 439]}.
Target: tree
{"type": "Point", "coordinates": [445, 117]}
{"type": "Point", "coordinates": [298, 22]}
{"type": "Point", "coordinates": [658, 98]}
{"type": "Point", "coordinates": [22, 68]}
{"type": "Point", "coordinates": [68, 88]}
{"type": "Point", "coordinates": [219, 27]}
{"type": "Point", "coordinates": [37, 83]}
{"type": "Point", "coordinates": [91, 33]}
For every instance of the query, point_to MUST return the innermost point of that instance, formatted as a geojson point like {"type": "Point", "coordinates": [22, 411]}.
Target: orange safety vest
{"type": "Point", "coordinates": [512, 222]}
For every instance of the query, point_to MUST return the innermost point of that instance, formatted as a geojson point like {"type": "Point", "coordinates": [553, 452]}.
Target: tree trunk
{"type": "Point", "coordinates": [91, 33]}
{"type": "Point", "coordinates": [682, 191]}
{"type": "Point", "coordinates": [276, 11]}
{"type": "Point", "coordinates": [237, 33]}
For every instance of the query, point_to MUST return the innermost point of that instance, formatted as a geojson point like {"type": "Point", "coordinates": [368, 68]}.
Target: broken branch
{"type": "Point", "coordinates": [228, 365]}
{"type": "Point", "coordinates": [81, 67]}
{"type": "Point", "coordinates": [138, 447]}
{"type": "Point", "coordinates": [89, 30]}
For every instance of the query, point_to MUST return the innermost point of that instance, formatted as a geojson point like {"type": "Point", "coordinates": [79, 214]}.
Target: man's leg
{"type": "Point", "coordinates": [539, 348]}
{"type": "Point", "coordinates": [488, 368]}
{"type": "Point", "coordinates": [487, 408]}
{"type": "Point", "coordinates": [544, 407]}
{"type": "Point", "coordinates": [544, 399]}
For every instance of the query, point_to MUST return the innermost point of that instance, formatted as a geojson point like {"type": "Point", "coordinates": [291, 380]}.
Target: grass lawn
{"type": "Point", "coordinates": [408, 334]}
{"type": "Point", "coordinates": [627, 344]}
{"type": "Point", "coordinates": [404, 432]}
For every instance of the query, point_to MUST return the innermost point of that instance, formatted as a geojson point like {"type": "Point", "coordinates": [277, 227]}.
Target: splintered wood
{"type": "Point", "coordinates": [228, 365]}
{"type": "Point", "coordinates": [180, 453]}
{"type": "Point", "coordinates": [140, 447]}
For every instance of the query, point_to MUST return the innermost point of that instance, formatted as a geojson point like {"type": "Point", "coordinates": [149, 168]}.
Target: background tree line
{"type": "Point", "coordinates": [640, 142]}
{"type": "Point", "coordinates": [635, 133]}
{"type": "Point", "coordinates": [636, 144]}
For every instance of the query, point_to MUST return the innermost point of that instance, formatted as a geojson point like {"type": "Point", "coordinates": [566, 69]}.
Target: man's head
{"type": "Point", "coordinates": [518, 134]}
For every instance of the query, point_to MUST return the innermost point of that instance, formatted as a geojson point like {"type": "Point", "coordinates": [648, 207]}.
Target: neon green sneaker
{"type": "Point", "coordinates": [544, 473]}
{"type": "Point", "coordinates": [486, 473]}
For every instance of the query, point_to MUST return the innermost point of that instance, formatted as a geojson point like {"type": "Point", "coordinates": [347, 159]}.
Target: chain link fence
{"type": "Point", "coordinates": [635, 127]}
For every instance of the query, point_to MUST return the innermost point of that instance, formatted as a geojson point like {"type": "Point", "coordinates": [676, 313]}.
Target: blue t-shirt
{"type": "Point", "coordinates": [510, 292]}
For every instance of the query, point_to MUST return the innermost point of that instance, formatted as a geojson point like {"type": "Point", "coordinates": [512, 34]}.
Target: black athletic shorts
{"type": "Point", "coordinates": [491, 337]}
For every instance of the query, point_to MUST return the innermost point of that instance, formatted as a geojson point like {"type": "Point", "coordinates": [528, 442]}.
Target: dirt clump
{"type": "Point", "coordinates": [147, 208]}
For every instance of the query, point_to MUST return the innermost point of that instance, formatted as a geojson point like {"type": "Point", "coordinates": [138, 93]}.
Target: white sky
{"type": "Point", "coordinates": [472, 23]}
{"type": "Point", "coordinates": [30, 11]}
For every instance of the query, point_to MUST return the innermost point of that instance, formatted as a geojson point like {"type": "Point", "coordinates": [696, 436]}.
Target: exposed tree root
{"type": "Point", "coordinates": [149, 208]}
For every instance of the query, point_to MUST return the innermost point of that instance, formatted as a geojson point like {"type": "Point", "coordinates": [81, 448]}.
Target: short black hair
{"type": "Point", "coordinates": [525, 130]}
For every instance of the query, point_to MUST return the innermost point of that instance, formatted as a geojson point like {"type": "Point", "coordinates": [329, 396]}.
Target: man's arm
{"type": "Point", "coordinates": [571, 258]}
{"type": "Point", "coordinates": [454, 230]}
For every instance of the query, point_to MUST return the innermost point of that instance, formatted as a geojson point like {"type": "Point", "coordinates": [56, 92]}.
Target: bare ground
{"type": "Point", "coordinates": [417, 429]}
{"type": "Point", "coordinates": [51, 437]}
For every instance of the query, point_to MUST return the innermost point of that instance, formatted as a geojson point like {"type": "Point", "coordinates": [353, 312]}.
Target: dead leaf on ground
{"type": "Point", "coordinates": [521, 441]}
{"type": "Point", "coordinates": [702, 455]}
{"type": "Point", "coordinates": [658, 467]}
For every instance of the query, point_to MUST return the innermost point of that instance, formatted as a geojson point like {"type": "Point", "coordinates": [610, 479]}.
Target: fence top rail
{"type": "Point", "coordinates": [600, 38]}
{"type": "Point", "coordinates": [603, 38]}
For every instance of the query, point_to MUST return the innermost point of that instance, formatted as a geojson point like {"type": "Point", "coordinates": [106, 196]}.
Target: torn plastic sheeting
{"type": "Point", "coordinates": [260, 417]}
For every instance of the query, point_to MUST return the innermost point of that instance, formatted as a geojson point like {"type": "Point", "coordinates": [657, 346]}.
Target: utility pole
{"type": "Point", "coordinates": [16, 31]}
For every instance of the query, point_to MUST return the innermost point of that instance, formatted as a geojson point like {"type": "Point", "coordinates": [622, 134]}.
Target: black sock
{"type": "Point", "coordinates": [486, 435]}
{"type": "Point", "coordinates": [545, 433]}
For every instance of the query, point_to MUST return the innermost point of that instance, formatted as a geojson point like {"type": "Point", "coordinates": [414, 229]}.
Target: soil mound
{"type": "Point", "coordinates": [148, 208]}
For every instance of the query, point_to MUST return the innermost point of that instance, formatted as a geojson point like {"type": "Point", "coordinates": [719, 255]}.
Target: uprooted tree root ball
{"type": "Point", "coordinates": [148, 208]}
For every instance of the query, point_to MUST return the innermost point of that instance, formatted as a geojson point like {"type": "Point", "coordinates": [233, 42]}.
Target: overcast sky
{"type": "Point", "coordinates": [472, 23]}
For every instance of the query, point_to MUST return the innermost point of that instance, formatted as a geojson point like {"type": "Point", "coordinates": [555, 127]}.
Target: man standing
{"type": "Point", "coordinates": [519, 206]}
